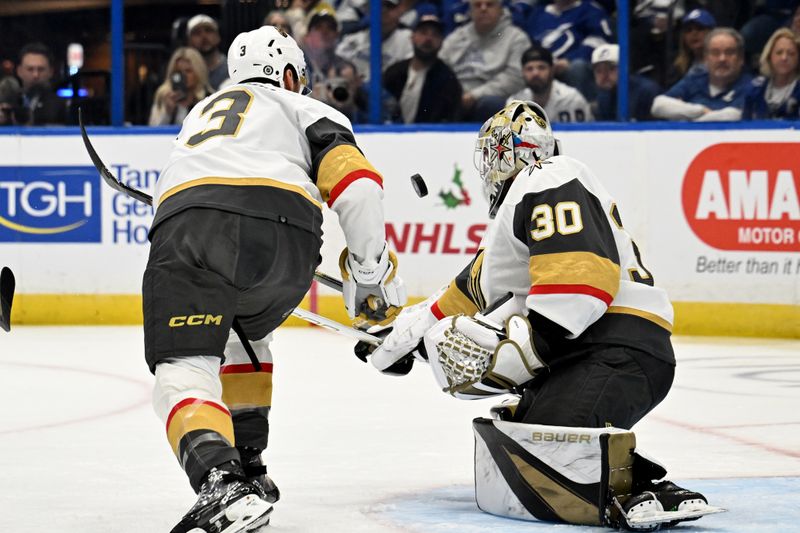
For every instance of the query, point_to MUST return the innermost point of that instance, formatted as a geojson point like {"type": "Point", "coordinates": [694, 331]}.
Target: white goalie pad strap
{"type": "Point", "coordinates": [553, 473]}
{"type": "Point", "coordinates": [469, 360]}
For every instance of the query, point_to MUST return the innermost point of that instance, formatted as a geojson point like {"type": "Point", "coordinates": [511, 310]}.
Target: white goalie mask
{"type": "Point", "coordinates": [264, 53]}
{"type": "Point", "coordinates": [513, 138]}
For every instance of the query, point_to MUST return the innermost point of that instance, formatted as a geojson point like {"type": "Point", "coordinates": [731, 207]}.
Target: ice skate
{"type": "Point", "coordinates": [663, 506]}
{"type": "Point", "coordinates": [227, 503]}
{"type": "Point", "coordinates": [256, 472]}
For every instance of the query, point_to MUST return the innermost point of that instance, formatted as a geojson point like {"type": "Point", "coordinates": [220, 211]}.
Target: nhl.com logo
{"type": "Point", "coordinates": [49, 204]}
{"type": "Point", "coordinates": [744, 196]}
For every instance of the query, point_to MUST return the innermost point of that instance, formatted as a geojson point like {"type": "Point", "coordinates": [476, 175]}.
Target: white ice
{"type": "Point", "coordinates": [355, 451]}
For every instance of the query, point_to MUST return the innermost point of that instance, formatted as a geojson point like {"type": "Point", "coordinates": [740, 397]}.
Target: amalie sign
{"type": "Point", "coordinates": [744, 196]}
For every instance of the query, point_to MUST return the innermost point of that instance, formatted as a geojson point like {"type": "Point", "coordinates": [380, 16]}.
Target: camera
{"type": "Point", "coordinates": [12, 112]}
{"type": "Point", "coordinates": [339, 89]}
{"type": "Point", "coordinates": [178, 82]}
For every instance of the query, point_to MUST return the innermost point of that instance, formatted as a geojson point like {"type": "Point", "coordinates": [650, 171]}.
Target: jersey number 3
{"type": "Point", "coordinates": [238, 103]}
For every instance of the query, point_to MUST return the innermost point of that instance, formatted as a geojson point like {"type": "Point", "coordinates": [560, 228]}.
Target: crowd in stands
{"type": "Point", "coordinates": [460, 61]}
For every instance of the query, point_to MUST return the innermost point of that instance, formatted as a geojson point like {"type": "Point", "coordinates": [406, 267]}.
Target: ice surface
{"type": "Point", "coordinates": [355, 451]}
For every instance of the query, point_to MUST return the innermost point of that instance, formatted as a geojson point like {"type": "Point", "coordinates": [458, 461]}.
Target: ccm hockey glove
{"type": "Point", "coordinates": [373, 292]}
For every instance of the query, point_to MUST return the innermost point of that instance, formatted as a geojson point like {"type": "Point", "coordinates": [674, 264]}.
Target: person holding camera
{"type": "Point", "coordinates": [186, 84]}
{"type": "Point", "coordinates": [12, 112]}
{"type": "Point", "coordinates": [334, 80]}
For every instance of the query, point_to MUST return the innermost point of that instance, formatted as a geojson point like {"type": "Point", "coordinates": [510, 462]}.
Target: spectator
{"type": "Point", "coordinates": [300, 12]}
{"type": "Point", "coordinates": [40, 103]}
{"type": "Point", "coordinates": [203, 34]}
{"type": "Point", "coordinates": [794, 21]}
{"type": "Point", "coordinates": [776, 93]}
{"type": "Point", "coordinates": [716, 94]}
{"type": "Point", "coordinates": [652, 28]}
{"type": "Point", "coordinates": [605, 62]}
{"type": "Point", "coordinates": [485, 55]}
{"type": "Point", "coordinates": [334, 80]}
{"type": "Point", "coordinates": [694, 28]}
{"type": "Point", "coordinates": [396, 44]}
{"type": "Point", "coordinates": [12, 113]}
{"type": "Point", "coordinates": [278, 18]}
{"type": "Point", "coordinates": [768, 17]}
{"type": "Point", "coordinates": [425, 87]}
{"type": "Point", "coordinates": [571, 30]}
{"type": "Point", "coordinates": [185, 84]}
{"type": "Point", "coordinates": [561, 102]}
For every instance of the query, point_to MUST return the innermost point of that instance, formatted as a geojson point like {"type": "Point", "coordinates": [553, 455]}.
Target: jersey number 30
{"type": "Point", "coordinates": [565, 218]}
{"type": "Point", "coordinates": [238, 103]}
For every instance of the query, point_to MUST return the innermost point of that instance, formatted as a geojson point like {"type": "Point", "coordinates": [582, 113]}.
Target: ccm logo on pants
{"type": "Point", "coordinates": [195, 320]}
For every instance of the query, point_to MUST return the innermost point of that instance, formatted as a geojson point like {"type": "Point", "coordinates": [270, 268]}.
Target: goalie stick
{"type": "Point", "coordinates": [7, 285]}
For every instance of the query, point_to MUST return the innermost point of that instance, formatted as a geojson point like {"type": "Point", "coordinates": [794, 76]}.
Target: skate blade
{"type": "Point", "coordinates": [651, 518]}
{"type": "Point", "coordinates": [248, 515]}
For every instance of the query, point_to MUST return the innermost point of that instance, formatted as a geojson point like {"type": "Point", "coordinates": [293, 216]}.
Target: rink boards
{"type": "Point", "coordinates": [715, 214]}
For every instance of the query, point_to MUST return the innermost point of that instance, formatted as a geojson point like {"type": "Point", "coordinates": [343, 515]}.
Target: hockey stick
{"type": "Point", "coordinates": [7, 285]}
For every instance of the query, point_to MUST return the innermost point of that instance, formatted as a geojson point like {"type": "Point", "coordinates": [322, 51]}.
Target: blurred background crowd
{"type": "Point", "coordinates": [441, 61]}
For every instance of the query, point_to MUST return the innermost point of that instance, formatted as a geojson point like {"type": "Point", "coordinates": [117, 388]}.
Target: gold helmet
{"type": "Point", "coordinates": [513, 138]}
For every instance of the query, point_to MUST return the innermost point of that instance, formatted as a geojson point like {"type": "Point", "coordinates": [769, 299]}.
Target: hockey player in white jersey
{"type": "Point", "coordinates": [234, 243]}
{"type": "Point", "coordinates": [575, 327]}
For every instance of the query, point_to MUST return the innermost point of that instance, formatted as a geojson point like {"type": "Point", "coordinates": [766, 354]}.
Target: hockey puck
{"type": "Point", "coordinates": [419, 185]}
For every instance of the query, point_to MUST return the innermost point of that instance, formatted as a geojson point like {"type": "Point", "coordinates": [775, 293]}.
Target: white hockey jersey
{"type": "Point", "coordinates": [558, 245]}
{"type": "Point", "coordinates": [266, 152]}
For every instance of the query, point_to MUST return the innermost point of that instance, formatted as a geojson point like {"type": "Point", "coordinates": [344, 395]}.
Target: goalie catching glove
{"type": "Point", "coordinates": [473, 357]}
{"type": "Point", "coordinates": [373, 292]}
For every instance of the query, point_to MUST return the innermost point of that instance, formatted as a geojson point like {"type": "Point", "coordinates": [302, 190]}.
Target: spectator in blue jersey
{"type": "Point", "coordinates": [714, 95]}
{"type": "Point", "coordinates": [424, 87]}
{"type": "Point", "coordinates": [485, 55]}
{"type": "Point", "coordinates": [571, 30]}
{"type": "Point", "coordinates": [776, 93]}
{"type": "Point", "coordinates": [641, 92]}
{"type": "Point", "coordinates": [695, 25]}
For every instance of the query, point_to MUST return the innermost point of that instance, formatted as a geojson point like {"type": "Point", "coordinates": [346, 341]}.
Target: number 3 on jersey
{"type": "Point", "coordinates": [238, 104]}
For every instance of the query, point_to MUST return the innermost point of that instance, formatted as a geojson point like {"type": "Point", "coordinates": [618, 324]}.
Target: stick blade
{"type": "Point", "coordinates": [106, 174]}
{"type": "Point", "coordinates": [7, 286]}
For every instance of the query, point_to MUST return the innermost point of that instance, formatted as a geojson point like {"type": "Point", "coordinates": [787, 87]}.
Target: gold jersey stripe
{"type": "Point", "coordinates": [642, 314]}
{"type": "Point", "coordinates": [475, 281]}
{"type": "Point", "coordinates": [454, 302]}
{"type": "Point", "coordinates": [337, 164]}
{"type": "Point", "coordinates": [262, 182]}
{"type": "Point", "coordinates": [575, 268]}
{"type": "Point", "coordinates": [252, 389]}
{"type": "Point", "coordinates": [194, 416]}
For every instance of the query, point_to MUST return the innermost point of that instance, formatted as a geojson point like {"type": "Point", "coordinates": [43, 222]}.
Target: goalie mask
{"type": "Point", "coordinates": [513, 138]}
{"type": "Point", "coordinates": [265, 53]}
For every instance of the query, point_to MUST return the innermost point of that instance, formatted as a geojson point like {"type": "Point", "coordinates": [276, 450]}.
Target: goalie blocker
{"type": "Point", "coordinates": [586, 476]}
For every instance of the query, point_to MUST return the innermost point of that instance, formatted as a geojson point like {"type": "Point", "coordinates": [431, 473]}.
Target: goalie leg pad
{"type": "Point", "coordinates": [551, 473]}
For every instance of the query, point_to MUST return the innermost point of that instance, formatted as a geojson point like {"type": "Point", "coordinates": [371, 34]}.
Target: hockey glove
{"type": "Point", "coordinates": [373, 292]}
{"type": "Point", "coordinates": [407, 331]}
{"type": "Point", "coordinates": [473, 357]}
